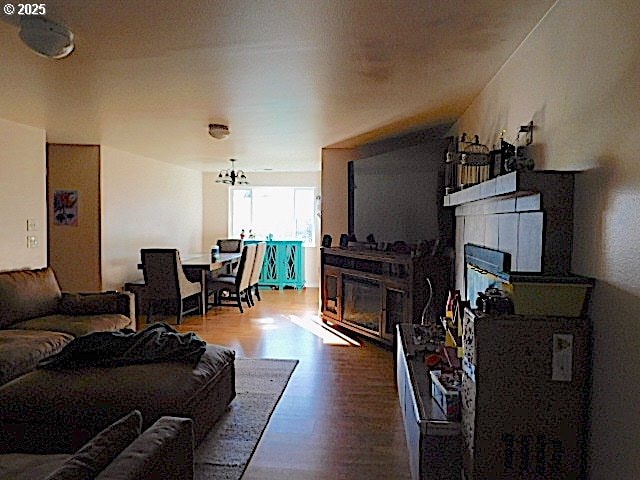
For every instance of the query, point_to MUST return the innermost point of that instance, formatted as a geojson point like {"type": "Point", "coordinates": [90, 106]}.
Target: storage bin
{"type": "Point", "coordinates": [445, 390]}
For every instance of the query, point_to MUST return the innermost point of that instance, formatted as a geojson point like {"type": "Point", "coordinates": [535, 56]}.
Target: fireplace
{"type": "Point", "coordinates": [362, 303]}
{"type": "Point", "coordinates": [532, 293]}
{"type": "Point", "coordinates": [370, 292]}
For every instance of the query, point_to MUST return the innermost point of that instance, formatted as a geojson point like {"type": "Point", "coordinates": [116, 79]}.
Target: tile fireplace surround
{"type": "Point", "coordinates": [526, 214]}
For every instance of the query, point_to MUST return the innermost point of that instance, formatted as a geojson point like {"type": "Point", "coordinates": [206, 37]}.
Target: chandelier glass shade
{"type": "Point", "coordinates": [231, 176]}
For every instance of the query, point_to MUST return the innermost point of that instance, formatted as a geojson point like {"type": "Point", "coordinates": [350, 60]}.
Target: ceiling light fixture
{"type": "Point", "coordinates": [46, 37]}
{"type": "Point", "coordinates": [232, 176]}
{"type": "Point", "coordinates": [218, 131]}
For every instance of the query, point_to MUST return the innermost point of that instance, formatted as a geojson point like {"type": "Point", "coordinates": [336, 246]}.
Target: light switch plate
{"type": "Point", "coordinates": [32, 241]}
{"type": "Point", "coordinates": [31, 224]}
{"type": "Point", "coordinates": [562, 363]}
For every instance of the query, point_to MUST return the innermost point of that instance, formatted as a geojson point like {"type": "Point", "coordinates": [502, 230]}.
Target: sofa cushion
{"type": "Point", "coordinates": [63, 409]}
{"type": "Point", "coordinates": [163, 451]}
{"type": "Point", "coordinates": [77, 325]}
{"type": "Point", "coordinates": [26, 466]}
{"type": "Point", "coordinates": [89, 303]}
{"type": "Point", "coordinates": [101, 450]}
{"type": "Point", "coordinates": [22, 350]}
{"type": "Point", "coordinates": [27, 294]}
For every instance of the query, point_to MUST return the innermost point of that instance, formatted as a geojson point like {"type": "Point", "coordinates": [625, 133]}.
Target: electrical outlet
{"type": "Point", "coordinates": [31, 224]}
{"type": "Point", "coordinates": [32, 241]}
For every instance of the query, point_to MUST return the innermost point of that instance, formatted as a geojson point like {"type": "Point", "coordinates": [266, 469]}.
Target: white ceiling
{"type": "Point", "coordinates": [287, 76]}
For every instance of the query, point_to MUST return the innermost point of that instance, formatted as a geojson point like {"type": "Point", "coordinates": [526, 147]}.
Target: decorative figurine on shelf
{"type": "Point", "coordinates": [508, 154]}
{"type": "Point", "coordinates": [242, 234]}
{"type": "Point", "coordinates": [400, 247]}
{"type": "Point", "coordinates": [344, 240]}
{"type": "Point", "coordinates": [519, 158]}
{"type": "Point", "coordinates": [519, 162]}
{"type": "Point", "coordinates": [450, 165]}
{"type": "Point", "coordinates": [474, 163]}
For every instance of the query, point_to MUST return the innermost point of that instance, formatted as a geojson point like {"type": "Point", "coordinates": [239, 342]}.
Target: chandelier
{"type": "Point", "coordinates": [232, 176]}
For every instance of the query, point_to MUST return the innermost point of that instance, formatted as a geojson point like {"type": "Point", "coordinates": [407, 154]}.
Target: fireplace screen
{"type": "Point", "coordinates": [362, 303]}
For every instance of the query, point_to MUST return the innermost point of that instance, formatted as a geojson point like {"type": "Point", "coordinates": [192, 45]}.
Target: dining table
{"type": "Point", "coordinates": [197, 266]}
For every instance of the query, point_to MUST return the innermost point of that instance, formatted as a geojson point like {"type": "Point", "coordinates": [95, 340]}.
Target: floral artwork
{"type": "Point", "coordinates": [65, 207]}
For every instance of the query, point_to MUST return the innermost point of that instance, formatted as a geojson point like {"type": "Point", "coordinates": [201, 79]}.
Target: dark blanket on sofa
{"type": "Point", "coordinates": [156, 343]}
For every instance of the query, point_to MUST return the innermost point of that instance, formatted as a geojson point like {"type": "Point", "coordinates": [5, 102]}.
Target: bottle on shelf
{"type": "Point", "coordinates": [449, 307]}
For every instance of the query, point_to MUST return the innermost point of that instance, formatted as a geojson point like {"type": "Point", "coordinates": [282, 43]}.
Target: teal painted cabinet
{"type": "Point", "coordinates": [283, 264]}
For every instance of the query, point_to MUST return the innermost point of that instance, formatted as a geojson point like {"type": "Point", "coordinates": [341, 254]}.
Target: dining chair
{"type": "Point", "coordinates": [235, 285]}
{"type": "Point", "coordinates": [166, 283]}
{"type": "Point", "coordinates": [230, 245]}
{"type": "Point", "coordinates": [254, 280]}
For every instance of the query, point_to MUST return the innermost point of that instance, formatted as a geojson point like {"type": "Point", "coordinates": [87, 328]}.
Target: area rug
{"type": "Point", "coordinates": [227, 449]}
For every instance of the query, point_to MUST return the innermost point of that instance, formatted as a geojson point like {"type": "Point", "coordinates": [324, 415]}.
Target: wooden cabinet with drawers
{"type": "Point", "coordinates": [370, 292]}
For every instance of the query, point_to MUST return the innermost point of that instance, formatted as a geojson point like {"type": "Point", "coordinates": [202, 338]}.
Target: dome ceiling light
{"type": "Point", "coordinates": [218, 131]}
{"type": "Point", "coordinates": [46, 38]}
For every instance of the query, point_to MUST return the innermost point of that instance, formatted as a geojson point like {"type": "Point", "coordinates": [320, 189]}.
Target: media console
{"type": "Point", "coordinates": [370, 292]}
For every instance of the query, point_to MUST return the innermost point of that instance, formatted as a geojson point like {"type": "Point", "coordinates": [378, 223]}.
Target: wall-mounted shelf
{"type": "Point", "coordinates": [510, 183]}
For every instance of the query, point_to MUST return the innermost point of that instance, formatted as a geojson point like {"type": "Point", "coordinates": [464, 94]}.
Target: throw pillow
{"type": "Point", "coordinates": [26, 294]}
{"type": "Point", "coordinates": [87, 303]}
{"type": "Point", "coordinates": [101, 450]}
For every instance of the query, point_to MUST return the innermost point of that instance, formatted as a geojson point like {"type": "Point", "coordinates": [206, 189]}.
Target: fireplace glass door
{"type": "Point", "coordinates": [362, 303]}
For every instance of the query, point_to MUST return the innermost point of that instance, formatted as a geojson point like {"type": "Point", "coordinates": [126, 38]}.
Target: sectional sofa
{"type": "Point", "coordinates": [60, 410]}
{"type": "Point", "coordinates": [37, 319]}
{"type": "Point", "coordinates": [122, 451]}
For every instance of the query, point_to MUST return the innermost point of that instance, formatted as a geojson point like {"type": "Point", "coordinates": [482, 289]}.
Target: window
{"type": "Point", "coordinates": [284, 212]}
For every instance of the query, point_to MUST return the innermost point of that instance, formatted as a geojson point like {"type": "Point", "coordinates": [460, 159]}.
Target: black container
{"type": "Point", "coordinates": [494, 300]}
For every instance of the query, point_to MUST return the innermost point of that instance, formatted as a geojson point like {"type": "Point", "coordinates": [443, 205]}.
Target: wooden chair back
{"type": "Point", "coordinates": [161, 277]}
{"type": "Point", "coordinates": [261, 249]}
{"type": "Point", "coordinates": [230, 245]}
{"type": "Point", "coordinates": [165, 280]}
{"type": "Point", "coordinates": [243, 275]}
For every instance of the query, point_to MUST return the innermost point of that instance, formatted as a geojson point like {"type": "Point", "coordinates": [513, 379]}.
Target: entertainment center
{"type": "Point", "coordinates": [371, 291]}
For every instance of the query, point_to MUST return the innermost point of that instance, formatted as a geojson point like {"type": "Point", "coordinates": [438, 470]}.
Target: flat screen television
{"type": "Point", "coordinates": [397, 195]}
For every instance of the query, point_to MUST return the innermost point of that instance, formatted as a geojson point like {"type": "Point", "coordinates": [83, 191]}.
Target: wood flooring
{"type": "Point", "coordinates": [339, 417]}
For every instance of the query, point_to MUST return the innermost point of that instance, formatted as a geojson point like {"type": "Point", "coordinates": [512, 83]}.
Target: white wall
{"type": "Point", "coordinates": [577, 76]}
{"type": "Point", "coordinates": [145, 203]}
{"type": "Point", "coordinates": [22, 195]}
{"type": "Point", "coordinates": [335, 191]}
{"type": "Point", "coordinates": [216, 210]}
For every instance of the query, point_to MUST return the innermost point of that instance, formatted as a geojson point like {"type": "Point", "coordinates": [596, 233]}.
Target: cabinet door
{"type": "Point", "coordinates": [289, 257]}
{"type": "Point", "coordinates": [291, 269]}
{"type": "Point", "coordinates": [395, 310]}
{"type": "Point", "coordinates": [331, 293]}
{"type": "Point", "coordinates": [269, 275]}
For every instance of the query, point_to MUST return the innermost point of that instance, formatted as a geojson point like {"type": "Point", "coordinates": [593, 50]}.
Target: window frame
{"type": "Point", "coordinates": [293, 192]}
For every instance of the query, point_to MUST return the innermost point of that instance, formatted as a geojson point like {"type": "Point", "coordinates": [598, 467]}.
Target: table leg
{"type": "Point", "coordinates": [204, 296]}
